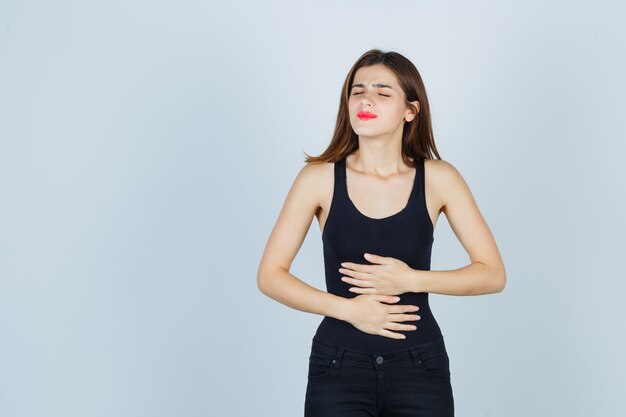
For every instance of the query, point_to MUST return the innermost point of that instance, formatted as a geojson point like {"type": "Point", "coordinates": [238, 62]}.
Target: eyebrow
{"type": "Point", "coordinates": [373, 85]}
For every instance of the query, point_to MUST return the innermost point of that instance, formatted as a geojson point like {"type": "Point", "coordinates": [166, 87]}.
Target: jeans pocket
{"type": "Point", "coordinates": [322, 359]}
{"type": "Point", "coordinates": [434, 362]}
{"type": "Point", "coordinates": [320, 366]}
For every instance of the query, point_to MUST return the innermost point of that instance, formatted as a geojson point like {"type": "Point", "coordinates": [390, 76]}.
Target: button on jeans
{"type": "Point", "coordinates": [409, 383]}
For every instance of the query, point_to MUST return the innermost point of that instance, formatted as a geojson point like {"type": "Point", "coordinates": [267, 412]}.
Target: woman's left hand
{"type": "Point", "coordinates": [390, 276]}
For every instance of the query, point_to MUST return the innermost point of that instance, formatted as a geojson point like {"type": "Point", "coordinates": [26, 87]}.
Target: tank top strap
{"type": "Point", "coordinates": [340, 178]}
{"type": "Point", "coordinates": [417, 182]}
{"type": "Point", "coordinates": [419, 190]}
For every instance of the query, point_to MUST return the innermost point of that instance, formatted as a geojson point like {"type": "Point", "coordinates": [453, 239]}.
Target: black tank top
{"type": "Point", "coordinates": [406, 235]}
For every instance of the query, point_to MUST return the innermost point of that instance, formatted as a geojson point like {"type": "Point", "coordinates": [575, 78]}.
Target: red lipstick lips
{"type": "Point", "coordinates": [365, 115]}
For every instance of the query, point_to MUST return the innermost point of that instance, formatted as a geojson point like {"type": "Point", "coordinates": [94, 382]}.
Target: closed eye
{"type": "Point", "coordinates": [384, 95]}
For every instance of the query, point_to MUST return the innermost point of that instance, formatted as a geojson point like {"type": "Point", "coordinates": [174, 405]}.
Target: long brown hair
{"type": "Point", "coordinates": [417, 136]}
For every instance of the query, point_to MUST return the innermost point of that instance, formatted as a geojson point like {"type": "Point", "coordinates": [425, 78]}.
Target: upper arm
{"type": "Point", "coordinates": [294, 220]}
{"type": "Point", "coordinates": [465, 218]}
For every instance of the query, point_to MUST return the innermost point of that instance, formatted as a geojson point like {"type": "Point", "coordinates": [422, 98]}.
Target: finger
{"type": "Point", "coordinates": [362, 290]}
{"type": "Point", "coordinates": [355, 267]}
{"type": "Point", "coordinates": [354, 281]}
{"type": "Point", "coordinates": [387, 298]}
{"type": "Point", "coordinates": [398, 326]}
{"type": "Point", "coordinates": [403, 309]}
{"type": "Point", "coordinates": [404, 317]}
{"type": "Point", "coordinates": [355, 274]}
{"type": "Point", "coordinates": [392, 335]}
{"type": "Point", "coordinates": [377, 259]}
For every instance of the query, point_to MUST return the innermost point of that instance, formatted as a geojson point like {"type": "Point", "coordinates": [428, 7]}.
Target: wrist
{"type": "Point", "coordinates": [415, 280]}
{"type": "Point", "coordinates": [341, 308]}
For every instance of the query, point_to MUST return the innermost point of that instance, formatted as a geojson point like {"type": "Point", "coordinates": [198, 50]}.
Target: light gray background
{"type": "Point", "coordinates": [146, 149]}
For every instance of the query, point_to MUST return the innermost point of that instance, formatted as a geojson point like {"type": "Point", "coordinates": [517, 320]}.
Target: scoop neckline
{"type": "Point", "coordinates": [356, 209]}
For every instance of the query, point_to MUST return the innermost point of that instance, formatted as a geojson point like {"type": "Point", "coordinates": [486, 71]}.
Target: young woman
{"type": "Point", "coordinates": [377, 193]}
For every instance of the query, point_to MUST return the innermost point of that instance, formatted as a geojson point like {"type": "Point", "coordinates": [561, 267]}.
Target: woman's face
{"type": "Point", "coordinates": [375, 91]}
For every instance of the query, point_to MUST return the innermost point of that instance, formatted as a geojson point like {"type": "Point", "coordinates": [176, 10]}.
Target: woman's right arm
{"type": "Point", "coordinates": [286, 238]}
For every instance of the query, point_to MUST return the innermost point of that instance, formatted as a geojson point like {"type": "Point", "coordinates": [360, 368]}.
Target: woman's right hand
{"type": "Point", "coordinates": [369, 314]}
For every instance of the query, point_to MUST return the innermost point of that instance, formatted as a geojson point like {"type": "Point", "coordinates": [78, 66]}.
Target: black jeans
{"type": "Point", "coordinates": [410, 383]}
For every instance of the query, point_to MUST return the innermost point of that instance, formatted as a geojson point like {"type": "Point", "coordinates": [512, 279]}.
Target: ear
{"type": "Point", "coordinates": [412, 114]}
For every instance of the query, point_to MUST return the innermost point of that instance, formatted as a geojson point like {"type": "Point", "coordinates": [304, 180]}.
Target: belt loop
{"type": "Point", "coordinates": [416, 357]}
{"type": "Point", "coordinates": [340, 352]}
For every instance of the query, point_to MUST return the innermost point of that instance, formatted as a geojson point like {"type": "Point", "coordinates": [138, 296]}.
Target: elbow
{"type": "Point", "coordinates": [261, 282]}
{"type": "Point", "coordinates": [500, 280]}
{"type": "Point", "coordinates": [494, 278]}
{"type": "Point", "coordinates": [264, 279]}
{"type": "Point", "coordinates": [261, 278]}
{"type": "Point", "coordinates": [500, 287]}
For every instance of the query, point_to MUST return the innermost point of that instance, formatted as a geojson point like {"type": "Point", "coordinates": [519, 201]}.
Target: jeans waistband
{"type": "Point", "coordinates": [341, 353]}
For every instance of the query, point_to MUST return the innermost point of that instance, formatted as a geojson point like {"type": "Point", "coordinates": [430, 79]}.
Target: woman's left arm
{"type": "Point", "coordinates": [486, 273]}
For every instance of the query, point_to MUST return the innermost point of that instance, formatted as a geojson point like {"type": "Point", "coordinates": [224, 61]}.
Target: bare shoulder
{"type": "Point", "coordinates": [443, 180]}
{"type": "Point", "coordinates": [316, 176]}
{"type": "Point", "coordinates": [448, 183]}
{"type": "Point", "coordinates": [439, 167]}
{"type": "Point", "coordinates": [315, 180]}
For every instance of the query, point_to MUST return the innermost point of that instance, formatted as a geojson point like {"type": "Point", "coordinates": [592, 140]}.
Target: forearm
{"type": "Point", "coordinates": [474, 279]}
{"type": "Point", "coordinates": [282, 286]}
